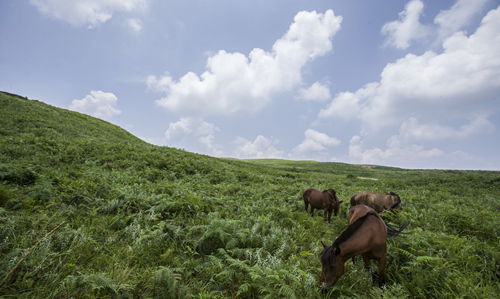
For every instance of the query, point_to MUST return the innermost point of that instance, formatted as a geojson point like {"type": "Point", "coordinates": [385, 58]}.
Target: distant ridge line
{"type": "Point", "coordinates": [14, 95]}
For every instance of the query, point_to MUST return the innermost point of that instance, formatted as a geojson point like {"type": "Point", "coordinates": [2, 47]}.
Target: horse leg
{"type": "Point", "coordinates": [306, 204]}
{"type": "Point", "coordinates": [381, 270]}
{"type": "Point", "coordinates": [366, 262]}
{"type": "Point", "coordinates": [329, 215]}
{"type": "Point", "coordinates": [336, 207]}
{"type": "Point", "coordinates": [312, 211]}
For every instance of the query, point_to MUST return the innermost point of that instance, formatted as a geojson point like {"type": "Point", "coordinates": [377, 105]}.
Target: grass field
{"type": "Point", "coordinates": [87, 210]}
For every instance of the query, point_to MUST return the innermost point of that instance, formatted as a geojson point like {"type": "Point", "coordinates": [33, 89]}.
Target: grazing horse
{"type": "Point", "coordinates": [326, 200]}
{"type": "Point", "coordinates": [366, 235]}
{"type": "Point", "coordinates": [379, 202]}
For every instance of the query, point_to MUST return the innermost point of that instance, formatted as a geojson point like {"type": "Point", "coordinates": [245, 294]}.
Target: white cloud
{"type": "Point", "coordinates": [462, 81]}
{"type": "Point", "coordinates": [261, 147]}
{"type": "Point", "coordinates": [401, 151]}
{"type": "Point", "coordinates": [159, 84]}
{"type": "Point", "coordinates": [413, 130]}
{"type": "Point", "coordinates": [196, 135]}
{"type": "Point", "coordinates": [234, 82]}
{"type": "Point", "coordinates": [395, 153]}
{"type": "Point", "coordinates": [193, 134]}
{"type": "Point", "coordinates": [90, 13]}
{"type": "Point", "coordinates": [401, 32]}
{"type": "Point", "coordinates": [316, 92]}
{"type": "Point", "coordinates": [425, 100]}
{"type": "Point", "coordinates": [316, 146]}
{"type": "Point", "coordinates": [407, 148]}
{"type": "Point", "coordinates": [459, 15]}
{"type": "Point", "coordinates": [98, 103]}
{"type": "Point", "coordinates": [346, 105]}
{"type": "Point", "coordinates": [135, 25]}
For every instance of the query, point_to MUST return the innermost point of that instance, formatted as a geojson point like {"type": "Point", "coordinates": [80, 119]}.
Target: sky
{"type": "Point", "coordinates": [412, 84]}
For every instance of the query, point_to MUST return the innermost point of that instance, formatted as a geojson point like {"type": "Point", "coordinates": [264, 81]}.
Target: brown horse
{"type": "Point", "coordinates": [366, 235]}
{"type": "Point", "coordinates": [326, 200]}
{"type": "Point", "coordinates": [379, 202]}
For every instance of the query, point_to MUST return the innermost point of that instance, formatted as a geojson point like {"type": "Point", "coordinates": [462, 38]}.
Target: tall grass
{"type": "Point", "coordinates": [137, 220]}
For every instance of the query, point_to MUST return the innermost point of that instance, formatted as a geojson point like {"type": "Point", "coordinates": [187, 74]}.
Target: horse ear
{"type": "Point", "coordinates": [337, 251]}
{"type": "Point", "coordinates": [323, 243]}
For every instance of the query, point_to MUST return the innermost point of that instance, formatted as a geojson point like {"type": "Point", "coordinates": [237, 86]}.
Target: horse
{"type": "Point", "coordinates": [326, 200]}
{"type": "Point", "coordinates": [366, 235]}
{"type": "Point", "coordinates": [379, 202]}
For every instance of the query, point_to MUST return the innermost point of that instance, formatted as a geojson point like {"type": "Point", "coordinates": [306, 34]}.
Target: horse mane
{"type": "Point", "coordinates": [331, 193]}
{"type": "Point", "coordinates": [351, 229]}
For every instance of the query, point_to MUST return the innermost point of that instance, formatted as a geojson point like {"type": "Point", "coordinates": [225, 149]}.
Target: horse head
{"type": "Point", "coordinates": [334, 200]}
{"type": "Point", "coordinates": [396, 201]}
{"type": "Point", "coordinates": [330, 272]}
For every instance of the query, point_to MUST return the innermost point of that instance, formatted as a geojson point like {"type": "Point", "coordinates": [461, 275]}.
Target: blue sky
{"type": "Point", "coordinates": [413, 84]}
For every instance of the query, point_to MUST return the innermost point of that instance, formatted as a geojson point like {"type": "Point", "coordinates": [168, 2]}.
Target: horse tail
{"type": "Point", "coordinates": [306, 194]}
{"type": "Point", "coordinates": [393, 231]}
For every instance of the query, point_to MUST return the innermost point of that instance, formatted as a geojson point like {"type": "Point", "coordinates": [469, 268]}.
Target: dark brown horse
{"type": "Point", "coordinates": [379, 202]}
{"type": "Point", "coordinates": [326, 200]}
{"type": "Point", "coordinates": [366, 235]}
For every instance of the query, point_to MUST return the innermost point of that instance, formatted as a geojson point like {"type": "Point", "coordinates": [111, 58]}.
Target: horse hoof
{"type": "Point", "coordinates": [325, 290]}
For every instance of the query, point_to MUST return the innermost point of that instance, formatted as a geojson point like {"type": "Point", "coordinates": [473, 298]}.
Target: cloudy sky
{"type": "Point", "coordinates": [413, 84]}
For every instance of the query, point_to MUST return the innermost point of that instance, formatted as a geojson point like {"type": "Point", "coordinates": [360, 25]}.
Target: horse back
{"type": "Point", "coordinates": [358, 211]}
{"type": "Point", "coordinates": [373, 200]}
{"type": "Point", "coordinates": [362, 198]}
{"type": "Point", "coordinates": [373, 234]}
{"type": "Point", "coordinates": [371, 237]}
{"type": "Point", "coordinates": [317, 199]}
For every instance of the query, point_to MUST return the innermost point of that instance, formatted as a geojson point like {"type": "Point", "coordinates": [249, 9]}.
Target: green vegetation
{"type": "Point", "coordinates": [87, 210]}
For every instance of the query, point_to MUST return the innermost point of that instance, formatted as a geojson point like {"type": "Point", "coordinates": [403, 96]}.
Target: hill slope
{"type": "Point", "coordinates": [87, 210]}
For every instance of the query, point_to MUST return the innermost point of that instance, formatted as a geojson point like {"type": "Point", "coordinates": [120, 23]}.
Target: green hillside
{"type": "Point", "coordinates": [87, 210]}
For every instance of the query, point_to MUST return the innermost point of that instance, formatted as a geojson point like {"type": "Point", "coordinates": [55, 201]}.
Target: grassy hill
{"type": "Point", "coordinates": [87, 210]}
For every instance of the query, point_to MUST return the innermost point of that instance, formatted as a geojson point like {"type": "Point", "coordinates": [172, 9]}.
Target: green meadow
{"type": "Point", "coordinates": [87, 210]}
